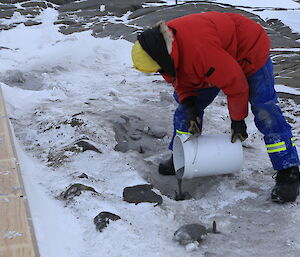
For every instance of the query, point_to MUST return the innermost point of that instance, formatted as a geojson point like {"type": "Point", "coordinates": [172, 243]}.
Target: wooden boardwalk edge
{"type": "Point", "coordinates": [17, 236]}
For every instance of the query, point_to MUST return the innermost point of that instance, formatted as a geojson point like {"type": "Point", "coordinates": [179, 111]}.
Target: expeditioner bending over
{"type": "Point", "coordinates": [203, 53]}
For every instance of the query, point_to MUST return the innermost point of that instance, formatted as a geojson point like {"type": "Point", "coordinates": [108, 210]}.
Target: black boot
{"type": "Point", "coordinates": [167, 167]}
{"type": "Point", "coordinates": [287, 185]}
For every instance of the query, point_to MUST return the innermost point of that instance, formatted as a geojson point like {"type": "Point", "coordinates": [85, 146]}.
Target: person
{"type": "Point", "coordinates": [203, 53]}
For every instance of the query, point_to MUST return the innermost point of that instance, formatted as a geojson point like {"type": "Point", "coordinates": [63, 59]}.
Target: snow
{"type": "Point", "coordinates": [264, 3]}
{"type": "Point", "coordinates": [285, 89]}
{"type": "Point", "coordinates": [54, 225]}
{"type": "Point", "coordinates": [79, 73]}
{"type": "Point", "coordinates": [289, 17]}
{"type": "Point", "coordinates": [286, 49]}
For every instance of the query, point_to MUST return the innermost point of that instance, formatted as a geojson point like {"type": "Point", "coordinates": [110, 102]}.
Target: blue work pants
{"type": "Point", "coordinates": [268, 117]}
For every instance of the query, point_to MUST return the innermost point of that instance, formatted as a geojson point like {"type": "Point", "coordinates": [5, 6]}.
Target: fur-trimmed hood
{"type": "Point", "coordinates": [158, 43]}
{"type": "Point", "coordinates": [167, 35]}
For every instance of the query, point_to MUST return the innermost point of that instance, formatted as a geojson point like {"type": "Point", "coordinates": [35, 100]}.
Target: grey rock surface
{"type": "Point", "coordinates": [141, 194]}
{"type": "Point", "coordinates": [103, 219]}
{"type": "Point", "coordinates": [281, 36]}
{"type": "Point", "coordinates": [75, 190]}
{"type": "Point", "coordinates": [190, 233]}
{"type": "Point", "coordinates": [107, 18]}
{"type": "Point", "coordinates": [24, 80]}
{"type": "Point", "coordinates": [31, 23]}
{"type": "Point", "coordinates": [134, 133]}
{"type": "Point", "coordinates": [34, 4]}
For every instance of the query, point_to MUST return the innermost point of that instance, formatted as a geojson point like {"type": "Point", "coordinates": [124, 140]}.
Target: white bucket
{"type": "Point", "coordinates": [206, 155]}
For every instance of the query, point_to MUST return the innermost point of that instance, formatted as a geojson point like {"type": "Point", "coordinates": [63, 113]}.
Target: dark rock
{"type": "Point", "coordinates": [12, 1]}
{"type": "Point", "coordinates": [114, 7]}
{"type": "Point", "coordinates": [103, 218]}
{"type": "Point", "coordinates": [31, 23]}
{"type": "Point", "coordinates": [190, 233]}
{"type": "Point", "coordinates": [7, 27]}
{"type": "Point", "coordinates": [141, 194]}
{"type": "Point", "coordinates": [72, 29]}
{"type": "Point", "coordinates": [35, 4]}
{"type": "Point", "coordinates": [61, 2]}
{"type": "Point", "coordinates": [286, 68]}
{"type": "Point", "coordinates": [74, 122]}
{"type": "Point", "coordinates": [86, 146]}
{"type": "Point", "coordinates": [77, 114]}
{"type": "Point", "coordinates": [7, 6]}
{"type": "Point", "coordinates": [4, 48]}
{"type": "Point", "coordinates": [296, 98]}
{"type": "Point", "coordinates": [75, 190]}
{"type": "Point", "coordinates": [57, 157]}
{"type": "Point", "coordinates": [97, 28]}
{"type": "Point", "coordinates": [193, 232]}
{"type": "Point", "coordinates": [83, 175]}
{"type": "Point", "coordinates": [88, 14]}
{"type": "Point", "coordinates": [30, 11]}
{"type": "Point", "coordinates": [75, 6]}
{"type": "Point", "coordinates": [116, 31]}
{"type": "Point", "coordinates": [123, 6]}
{"type": "Point", "coordinates": [65, 22]}
{"type": "Point", "coordinates": [284, 33]}
{"type": "Point", "coordinates": [142, 11]}
{"type": "Point", "coordinates": [6, 14]}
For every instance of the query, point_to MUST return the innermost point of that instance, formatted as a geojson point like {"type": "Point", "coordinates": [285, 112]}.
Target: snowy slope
{"type": "Point", "coordinates": [90, 82]}
{"type": "Point", "coordinates": [287, 11]}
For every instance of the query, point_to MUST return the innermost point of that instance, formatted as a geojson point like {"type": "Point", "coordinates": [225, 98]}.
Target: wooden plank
{"type": "Point", "coordinates": [9, 179]}
{"type": "Point", "coordinates": [17, 251]}
{"type": "Point", "coordinates": [6, 150]}
{"type": "Point", "coordinates": [17, 238]}
{"type": "Point", "coordinates": [2, 124]}
{"type": "Point", "coordinates": [14, 230]}
{"type": "Point", "coordinates": [2, 107]}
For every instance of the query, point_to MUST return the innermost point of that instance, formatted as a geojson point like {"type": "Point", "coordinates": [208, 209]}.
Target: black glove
{"type": "Point", "coordinates": [238, 130]}
{"type": "Point", "coordinates": [192, 115]}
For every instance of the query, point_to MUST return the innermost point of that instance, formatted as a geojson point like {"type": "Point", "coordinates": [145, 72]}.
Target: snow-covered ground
{"type": "Point", "coordinates": [51, 79]}
{"type": "Point", "coordinates": [288, 13]}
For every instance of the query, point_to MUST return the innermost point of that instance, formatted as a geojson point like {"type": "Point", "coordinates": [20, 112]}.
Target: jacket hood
{"type": "Point", "coordinates": [157, 42]}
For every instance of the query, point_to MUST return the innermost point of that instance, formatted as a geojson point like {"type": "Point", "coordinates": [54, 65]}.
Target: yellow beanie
{"type": "Point", "coordinates": [143, 61]}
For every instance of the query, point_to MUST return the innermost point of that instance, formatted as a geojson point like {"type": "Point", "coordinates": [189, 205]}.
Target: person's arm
{"type": "Point", "coordinates": [224, 71]}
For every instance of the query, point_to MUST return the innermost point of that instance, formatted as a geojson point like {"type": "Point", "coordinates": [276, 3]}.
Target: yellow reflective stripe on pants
{"type": "Point", "coordinates": [277, 150]}
{"type": "Point", "coordinates": [293, 140]}
{"type": "Point", "coordinates": [274, 148]}
{"type": "Point", "coordinates": [182, 132]}
{"type": "Point", "coordinates": [274, 145]}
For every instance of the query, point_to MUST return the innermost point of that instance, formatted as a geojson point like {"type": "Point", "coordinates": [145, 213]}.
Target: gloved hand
{"type": "Point", "coordinates": [192, 115]}
{"type": "Point", "coordinates": [238, 130]}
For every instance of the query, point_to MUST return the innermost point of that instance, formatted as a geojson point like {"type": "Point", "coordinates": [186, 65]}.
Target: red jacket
{"type": "Point", "coordinates": [220, 49]}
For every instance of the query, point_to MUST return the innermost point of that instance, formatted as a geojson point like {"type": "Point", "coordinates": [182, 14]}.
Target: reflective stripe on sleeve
{"type": "Point", "coordinates": [182, 132]}
{"type": "Point", "coordinates": [274, 148]}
